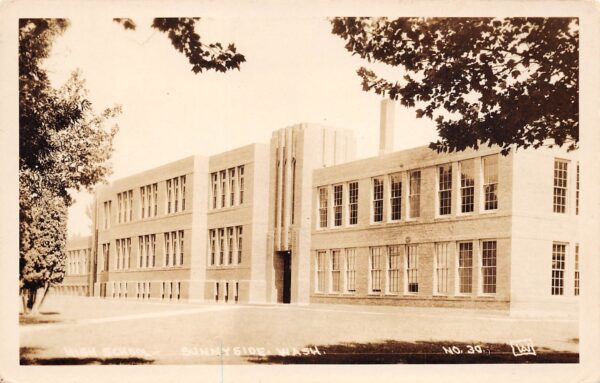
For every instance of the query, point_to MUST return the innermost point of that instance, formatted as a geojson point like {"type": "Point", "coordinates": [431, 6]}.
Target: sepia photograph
{"type": "Point", "coordinates": [279, 189]}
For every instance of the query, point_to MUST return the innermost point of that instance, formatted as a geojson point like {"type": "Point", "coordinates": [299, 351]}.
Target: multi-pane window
{"type": "Point", "coordinates": [241, 183]}
{"type": "Point", "coordinates": [488, 267]}
{"type": "Point", "coordinates": [149, 201]}
{"type": "Point", "coordinates": [559, 251]}
{"type": "Point", "coordinates": [125, 206]}
{"type": "Point", "coordinates": [353, 203]}
{"type": "Point", "coordinates": [321, 271]}
{"type": "Point", "coordinates": [393, 269]}
{"type": "Point", "coordinates": [395, 196]}
{"type": "Point", "coordinates": [215, 189]}
{"type": "Point", "coordinates": [213, 246]}
{"type": "Point", "coordinates": [107, 209]}
{"type": "Point", "coordinates": [221, 246]}
{"type": "Point", "coordinates": [445, 189]}
{"type": "Point", "coordinates": [338, 194]}
{"type": "Point", "coordinates": [174, 247]}
{"type": "Point", "coordinates": [335, 271]}
{"type": "Point", "coordinates": [465, 267]}
{"type": "Point", "coordinates": [376, 269]}
{"type": "Point", "coordinates": [377, 199]}
{"type": "Point", "coordinates": [323, 194]}
{"type": "Point", "coordinates": [560, 186]}
{"type": "Point", "coordinates": [239, 234]}
{"type": "Point", "coordinates": [467, 186]}
{"type": "Point", "coordinates": [123, 251]}
{"type": "Point", "coordinates": [120, 208]}
{"type": "Point", "coordinates": [223, 180]}
{"type": "Point", "coordinates": [168, 249]}
{"type": "Point", "coordinates": [232, 186]}
{"type": "Point", "coordinates": [350, 265]}
{"type": "Point", "coordinates": [441, 268]}
{"type": "Point", "coordinates": [490, 182]}
{"type": "Point", "coordinates": [147, 250]}
{"type": "Point", "coordinates": [411, 269]}
{"type": "Point", "coordinates": [230, 239]}
{"type": "Point", "coordinates": [576, 277]}
{"type": "Point", "coordinates": [577, 191]}
{"type": "Point", "coordinates": [105, 256]}
{"type": "Point", "coordinates": [414, 194]}
{"type": "Point", "coordinates": [176, 194]}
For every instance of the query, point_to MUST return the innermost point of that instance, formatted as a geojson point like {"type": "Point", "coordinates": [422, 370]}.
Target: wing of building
{"type": "Point", "coordinates": [301, 221]}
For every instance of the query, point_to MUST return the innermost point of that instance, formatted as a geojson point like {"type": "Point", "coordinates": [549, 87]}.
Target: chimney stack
{"type": "Point", "coordinates": [386, 127]}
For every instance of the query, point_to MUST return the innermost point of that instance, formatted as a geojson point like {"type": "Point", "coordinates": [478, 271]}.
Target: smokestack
{"type": "Point", "coordinates": [386, 127]}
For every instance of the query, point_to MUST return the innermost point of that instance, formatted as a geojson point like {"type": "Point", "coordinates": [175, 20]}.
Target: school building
{"type": "Point", "coordinates": [301, 221]}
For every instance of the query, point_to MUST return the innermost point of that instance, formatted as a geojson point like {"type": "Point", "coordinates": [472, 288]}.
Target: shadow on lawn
{"type": "Point", "coordinates": [28, 357]}
{"type": "Point", "coordinates": [393, 352]}
{"type": "Point", "coordinates": [40, 318]}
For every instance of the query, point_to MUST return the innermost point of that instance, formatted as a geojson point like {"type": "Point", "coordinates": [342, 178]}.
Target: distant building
{"type": "Point", "coordinates": [302, 222]}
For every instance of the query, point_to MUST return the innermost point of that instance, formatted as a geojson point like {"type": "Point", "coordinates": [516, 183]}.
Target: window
{"type": "Point", "coordinates": [223, 178]}
{"type": "Point", "coordinates": [221, 246]}
{"type": "Point", "coordinates": [181, 247]}
{"type": "Point", "coordinates": [414, 194]}
{"type": "Point", "coordinates": [335, 271]}
{"type": "Point", "coordinates": [241, 183]}
{"type": "Point", "coordinates": [155, 199]}
{"type": "Point", "coordinates": [237, 292]}
{"type": "Point", "coordinates": [182, 182]}
{"type": "Point", "coordinates": [576, 279]}
{"type": "Point", "coordinates": [143, 202]}
{"type": "Point", "coordinates": [216, 291]}
{"type": "Point", "coordinates": [173, 248]}
{"type": "Point", "coordinates": [465, 267]}
{"type": "Point", "coordinates": [213, 246]}
{"type": "Point", "coordinates": [176, 195]}
{"type": "Point", "coordinates": [147, 250]}
{"type": "Point", "coordinates": [120, 209]}
{"type": "Point", "coordinates": [445, 189]}
{"type": "Point", "coordinates": [239, 244]}
{"type": "Point", "coordinates": [123, 249]}
{"type": "Point", "coordinates": [125, 206]}
{"type": "Point", "coordinates": [323, 207]}
{"type": "Point", "coordinates": [169, 196]}
{"type": "Point", "coordinates": [395, 196]}
{"type": "Point", "coordinates": [338, 194]}
{"type": "Point", "coordinates": [353, 202]}
{"type": "Point", "coordinates": [107, 209]}
{"type": "Point", "coordinates": [376, 268]}
{"type": "Point", "coordinates": [412, 275]}
{"type": "Point", "coordinates": [230, 240]}
{"type": "Point", "coordinates": [377, 200]}
{"type": "Point", "coordinates": [215, 189]}
{"type": "Point", "coordinates": [559, 251]}
{"type": "Point", "coordinates": [394, 269]}
{"type": "Point", "coordinates": [488, 266]}
{"type": "Point", "coordinates": [467, 186]}
{"type": "Point", "coordinates": [577, 191]}
{"type": "Point", "coordinates": [490, 182]}
{"type": "Point", "coordinates": [232, 186]}
{"type": "Point", "coordinates": [441, 268]}
{"type": "Point", "coordinates": [105, 256]}
{"type": "Point", "coordinates": [148, 201]}
{"type": "Point", "coordinates": [350, 270]}
{"type": "Point", "coordinates": [560, 186]}
{"type": "Point", "coordinates": [321, 271]}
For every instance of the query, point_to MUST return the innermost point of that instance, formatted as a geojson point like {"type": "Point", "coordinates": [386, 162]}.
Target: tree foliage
{"type": "Point", "coordinates": [511, 81]}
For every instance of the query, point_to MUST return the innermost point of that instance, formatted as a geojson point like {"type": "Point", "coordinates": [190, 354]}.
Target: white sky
{"type": "Point", "coordinates": [296, 71]}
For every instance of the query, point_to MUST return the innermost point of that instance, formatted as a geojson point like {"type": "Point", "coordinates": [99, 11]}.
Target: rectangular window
{"type": "Point", "coordinates": [414, 194]}
{"type": "Point", "coordinates": [377, 199]}
{"type": "Point", "coordinates": [321, 271]}
{"type": "Point", "coordinates": [488, 267]}
{"type": "Point", "coordinates": [323, 195]}
{"type": "Point", "coordinates": [106, 256]}
{"type": "Point", "coordinates": [241, 183]}
{"type": "Point", "coordinates": [376, 268]}
{"type": "Point", "coordinates": [335, 271]}
{"type": "Point", "coordinates": [576, 278]}
{"type": "Point", "coordinates": [119, 208]}
{"type": "Point", "coordinates": [223, 175]}
{"type": "Point", "coordinates": [559, 251]}
{"type": "Point", "coordinates": [395, 196]}
{"type": "Point", "coordinates": [338, 194]}
{"type": "Point", "coordinates": [168, 251]}
{"type": "Point", "coordinates": [232, 183]}
{"type": "Point", "coordinates": [353, 202]}
{"type": "Point", "coordinates": [149, 197]}
{"type": "Point", "coordinates": [213, 246]}
{"type": "Point", "coordinates": [412, 271]}
{"type": "Point", "coordinates": [182, 183]}
{"type": "Point", "coordinates": [441, 268]}
{"type": "Point", "coordinates": [577, 191]}
{"type": "Point", "coordinates": [350, 270]}
{"type": "Point", "coordinates": [445, 189]}
{"type": "Point", "coordinates": [239, 244]}
{"type": "Point", "coordinates": [155, 199]}
{"type": "Point", "coordinates": [143, 202]}
{"type": "Point", "coordinates": [560, 186]}
{"type": "Point", "coordinates": [215, 189]}
{"type": "Point", "coordinates": [221, 246]}
{"type": "Point", "coordinates": [118, 249]}
{"type": "Point", "coordinates": [107, 209]}
{"type": "Point", "coordinates": [465, 267]}
{"type": "Point", "coordinates": [394, 269]}
{"type": "Point", "coordinates": [230, 239]}
{"type": "Point", "coordinates": [467, 186]}
{"type": "Point", "coordinates": [169, 196]}
{"type": "Point", "coordinates": [141, 251]}
{"type": "Point", "coordinates": [181, 247]}
{"type": "Point", "coordinates": [130, 205]}
{"type": "Point", "coordinates": [490, 182]}
{"type": "Point", "coordinates": [176, 194]}
{"type": "Point", "coordinates": [237, 292]}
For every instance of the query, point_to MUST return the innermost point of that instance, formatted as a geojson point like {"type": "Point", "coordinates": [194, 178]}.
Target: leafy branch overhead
{"type": "Point", "coordinates": [181, 31]}
{"type": "Point", "coordinates": [488, 81]}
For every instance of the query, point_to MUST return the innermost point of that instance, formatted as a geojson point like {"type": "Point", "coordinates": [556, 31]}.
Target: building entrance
{"type": "Point", "coordinates": [284, 276]}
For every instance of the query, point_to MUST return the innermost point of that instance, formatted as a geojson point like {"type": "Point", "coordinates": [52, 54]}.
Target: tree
{"type": "Point", "coordinates": [507, 82]}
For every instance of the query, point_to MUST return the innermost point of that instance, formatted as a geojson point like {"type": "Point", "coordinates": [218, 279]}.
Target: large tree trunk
{"type": "Point", "coordinates": [31, 301]}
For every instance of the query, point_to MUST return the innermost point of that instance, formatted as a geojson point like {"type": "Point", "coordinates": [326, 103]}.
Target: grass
{"type": "Point", "coordinates": [28, 357]}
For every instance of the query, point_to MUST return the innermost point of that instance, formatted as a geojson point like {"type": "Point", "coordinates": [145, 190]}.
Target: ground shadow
{"type": "Point", "coordinates": [40, 318]}
{"type": "Point", "coordinates": [396, 352]}
{"type": "Point", "coordinates": [28, 357]}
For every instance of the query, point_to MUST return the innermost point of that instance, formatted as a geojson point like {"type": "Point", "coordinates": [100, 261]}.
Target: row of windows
{"type": "Point", "coordinates": [227, 290]}
{"type": "Point", "coordinates": [227, 187]}
{"type": "Point", "coordinates": [225, 245]}
{"type": "Point", "coordinates": [148, 201]}
{"type": "Point", "coordinates": [169, 290]}
{"type": "Point", "coordinates": [413, 201]}
{"type": "Point", "coordinates": [173, 251]}
{"type": "Point", "coordinates": [77, 261]}
{"type": "Point", "coordinates": [391, 273]}
{"type": "Point", "coordinates": [560, 199]}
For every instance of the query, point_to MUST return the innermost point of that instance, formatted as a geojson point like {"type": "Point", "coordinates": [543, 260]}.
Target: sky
{"type": "Point", "coordinates": [295, 71]}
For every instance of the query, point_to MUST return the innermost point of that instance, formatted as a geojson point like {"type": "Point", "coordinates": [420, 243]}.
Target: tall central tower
{"type": "Point", "coordinates": [295, 152]}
